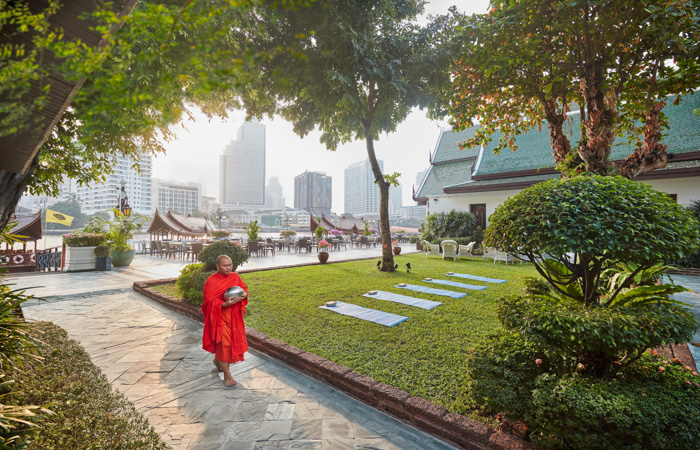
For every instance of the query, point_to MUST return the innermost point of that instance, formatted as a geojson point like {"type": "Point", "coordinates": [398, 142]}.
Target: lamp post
{"type": "Point", "coordinates": [123, 206]}
{"type": "Point", "coordinates": [220, 214]}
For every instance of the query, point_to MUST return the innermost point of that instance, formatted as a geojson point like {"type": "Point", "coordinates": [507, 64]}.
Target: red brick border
{"type": "Point", "coordinates": [426, 415]}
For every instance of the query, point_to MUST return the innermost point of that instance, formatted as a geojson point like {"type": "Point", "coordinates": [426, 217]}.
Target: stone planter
{"type": "Point", "coordinates": [122, 259]}
{"type": "Point", "coordinates": [80, 258]}
{"type": "Point", "coordinates": [397, 251]}
{"type": "Point", "coordinates": [322, 257]}
{"type": "Point", "coordinates": [103, 263]}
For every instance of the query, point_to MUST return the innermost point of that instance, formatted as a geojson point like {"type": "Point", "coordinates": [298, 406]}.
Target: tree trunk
{"type": "Point", "coordinates": [384, 225]}
{"type": "Point", "coordinates": [599, 125]}
{"type": "Point", "coordinates": [12, 185]}
{"type": "Point", "coordinates": [652, 154]}
{"type": "Point", "coordinates": [559, 142]}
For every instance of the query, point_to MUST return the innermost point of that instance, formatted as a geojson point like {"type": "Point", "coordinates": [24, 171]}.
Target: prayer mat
{"type": "Point", "coordinates": [456, 284]}
{"type": "Point", "coordinates": [429, 290]}
{"type": "Point", "coordinates": [403, 299]}
{"type": "Point", "coordinates": [371, 315]}
{"type": "Point", "coordinates": [476, 277]}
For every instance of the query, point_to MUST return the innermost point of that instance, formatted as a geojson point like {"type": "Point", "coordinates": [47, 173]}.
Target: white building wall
{"type": "Point", "coordinates": [687, 189]}
{"type": "Point", "coordinates": [178, 197]}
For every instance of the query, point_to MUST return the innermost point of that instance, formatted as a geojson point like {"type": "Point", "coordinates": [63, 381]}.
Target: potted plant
{"type": "Point", "coordinates": [395, 245]}
{"type": "Point", "coordinates": [121, 229]}
{"type": "Point", "coordinates": [319, 232]}
{"type": "Point", "coordinates": [102, 259]}
{"type": "Point", "coordinates": [252, 230]}
{"type": "Point", "coordinates": [80, 252]}
{"type": "Point", "coordinates": [323, 245]}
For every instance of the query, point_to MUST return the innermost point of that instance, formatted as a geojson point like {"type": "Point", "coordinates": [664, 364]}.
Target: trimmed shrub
{"type": "Point", "coordinates": [413, 239]}
{"type": "Point", "coordinates": [600, 339]}
{"type": "Point", "coordinates": [190, 283]}
{"type": "Point", "coordinates": [220, 234]}
{"type": "Point", "coordinates": [286, 233]}
{"type": "Point", "coordinates": [88, 413]}
{"type": "Point", "coordinates": [601, 220]}
{"type": "Point", "coordinates": [211, 252]}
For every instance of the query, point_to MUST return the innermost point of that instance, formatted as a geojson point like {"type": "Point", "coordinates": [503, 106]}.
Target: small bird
{"type": "Point", "coordinates": [379, 265]}
{"type": "Point", "coordinates": [408, 267]}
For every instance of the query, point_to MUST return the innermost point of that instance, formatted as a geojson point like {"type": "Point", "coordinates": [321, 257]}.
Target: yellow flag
{"type": "Point", "coordinates": [57, 217]}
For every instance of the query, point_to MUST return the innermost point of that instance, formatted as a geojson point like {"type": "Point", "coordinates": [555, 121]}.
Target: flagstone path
{"type": "Point", "coordinates": [154, 357]}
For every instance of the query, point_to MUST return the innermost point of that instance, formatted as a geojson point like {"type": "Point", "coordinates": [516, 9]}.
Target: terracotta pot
{"type": "Point", "coordinates": [322, 257]}
{"type": "Point", "coordinates": [397, 250]}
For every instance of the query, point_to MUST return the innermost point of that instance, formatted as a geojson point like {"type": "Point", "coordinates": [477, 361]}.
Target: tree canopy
{"type": "Point", "coordinates": [357, 69]}
{"type": "Point", "coordinates": [530, 62]}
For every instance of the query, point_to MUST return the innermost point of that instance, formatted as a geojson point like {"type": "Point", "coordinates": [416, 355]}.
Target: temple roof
{"type": "Point", "coordinates": [180, 225]}
{"type": "Point", "coordinates": [29, 226]}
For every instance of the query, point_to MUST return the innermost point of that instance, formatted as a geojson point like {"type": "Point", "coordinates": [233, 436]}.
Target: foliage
{"type": "Point", "coordinates": [88, 413]}
{"type": "Point", "coordinates": [102, 251]}
{"type": "Point", "coordinates": [365, 65]}
{"type": "Point", "coordinates": [70, 206]}
{"type": "Point", "coordinates": [402, 356]}
{"type": "Point", "coordinates": [220, 234]}
{"type": "Point", "coordinates": [413, 239]}
{"type": "Point", "coordinates": [454, 224]}
{"type": "Point", "coordinates": [646, 406]}
{"type": "Point", "coordinates": [600, 340]}
{"type": "Point", "coordinates": [122, 228]}
{"type": "Point", "coordinates": [692, 259]}
{"type": "Point", "coordinates": [319, 232]}
{"type": "Point", "coordinates": [323, 244]}
{"type": "Point", "coordinates": [585, 225]}
{"type": "Point", "coordinates": [84, 239]}
{"type": "Point", "coordinates": [526, 63]}
{"type": "Point", "coordinates": [233, 250]}
{"type": "Point", "coordinates": [286, 233]}
{"type": "Point", "coordinates": [190, 283]}
{"type": "Point", "coordinates": [252, 230]}
{"type": "Point", "coordinates": [366, 231]}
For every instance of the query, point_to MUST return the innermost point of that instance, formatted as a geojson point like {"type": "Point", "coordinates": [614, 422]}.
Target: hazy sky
{"type": "Point", "coordinates": [194, 156]}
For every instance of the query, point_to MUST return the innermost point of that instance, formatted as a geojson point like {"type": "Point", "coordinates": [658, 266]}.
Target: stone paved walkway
{"type": "Point", "coordinates": [154, 357]}
{"type": "Point", "coordinates": [693, 299]}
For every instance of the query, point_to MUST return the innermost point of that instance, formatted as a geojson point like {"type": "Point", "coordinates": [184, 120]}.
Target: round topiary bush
{"type": "Point", "coordinates": [588, 224]}
{"type": "Point", "coordinates": [210, 253]}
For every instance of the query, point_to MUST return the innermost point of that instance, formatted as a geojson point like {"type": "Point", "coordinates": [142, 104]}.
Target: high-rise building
{"type": "Point", "coordinates": [242, 168]}
{"type": "Point", "coordinates": [395, 199]}
{"type": "Point", "coordinates": [179, 197]}
{"type": "Point", "coordinates": [313, 192]}
{"type": "Point", "coordinates": [361, 192]}
{"type": "Point", "coordinates": [100, 197]}
{"type": "Point", "coordinates": [273, 194]}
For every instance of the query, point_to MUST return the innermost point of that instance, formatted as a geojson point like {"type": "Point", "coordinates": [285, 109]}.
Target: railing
{"type": "Point", "coordinates": [29, 261]}
{"type": "Point", "coordinates": [49, 259]}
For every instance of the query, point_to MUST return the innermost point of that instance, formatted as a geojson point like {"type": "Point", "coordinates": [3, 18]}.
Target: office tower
{"type": "Point", "coordinates": [179, 197]}
{"type": "Point", "coordinates": [242, 168]}
{"type": "Point", "coordinates": [103, 196]}
{"type": "Point", "coordinates": [395, 199]}
{"type": "Point", "coordinates": [313, 192]}
{"type": "Point", "coordinates": [361, 192]}
{"type": "Point", "coordinates": [273, 194]}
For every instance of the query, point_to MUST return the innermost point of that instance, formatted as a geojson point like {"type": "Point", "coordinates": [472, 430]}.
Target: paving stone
{"type": "Point", "coordinates": [275, 430]}
{"type": "Point", "coordinates": [307, 430]}
{"type": "Point", "coordinates": [305, 445]}
{"type": "Point", "coordinates": [244, 431]}
{"type": "Point", "coordinates": [250, 412]}
{"type": "Point", "coordinates": [337, 429]}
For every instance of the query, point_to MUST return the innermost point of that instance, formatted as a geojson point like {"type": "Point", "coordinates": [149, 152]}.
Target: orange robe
{"type": "Point", "coordinates": [224, 330]}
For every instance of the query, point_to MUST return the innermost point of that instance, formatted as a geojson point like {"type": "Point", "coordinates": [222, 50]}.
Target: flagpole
{"type": "Point", "coordinates": [45, 217]}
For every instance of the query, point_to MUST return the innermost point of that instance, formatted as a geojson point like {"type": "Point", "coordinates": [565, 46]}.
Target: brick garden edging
{"type": "Point", "coordinates": [458, 429]}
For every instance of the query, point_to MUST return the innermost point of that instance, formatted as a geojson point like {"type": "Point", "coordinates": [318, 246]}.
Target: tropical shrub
{"type": "Point", "coordinates": [456, 224]}
{"type": "Point", "coordinates": [87, 411]}
{"type": "Point", "coordinates": [79, 239]}
{"type": "Point", "coordinates": [233, 250]}
{"type": "Point", "coordinates": [190, 283]}
{"type": "Point", "coordinates": [692, 259]}
{"type": "Point", "coordinates": [219, 234]}
{"type": "Point", "coordinates": [252, 230]}
{"type": "Point", "coordinates": [318, 232]}
{"type": "Point", "coordinates": [102, 251]}
{"type": "Point", "coordinates": [589, 224]}
{"type": "Point", "coordinates": [413, 239]}
{"type": "Point", "coordinates": [286, 233]}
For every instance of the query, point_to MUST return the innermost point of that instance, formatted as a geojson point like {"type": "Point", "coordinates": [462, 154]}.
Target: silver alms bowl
{"type": "Point", "coordinates": [233, 292]}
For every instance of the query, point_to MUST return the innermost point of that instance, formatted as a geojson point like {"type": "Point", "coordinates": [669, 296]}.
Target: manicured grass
{"type": "Point", "coordinates": [424, 355]}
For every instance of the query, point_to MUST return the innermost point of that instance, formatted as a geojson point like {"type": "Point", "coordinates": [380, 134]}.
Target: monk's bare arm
{"type": "Point", "coordinates": [233, 301]}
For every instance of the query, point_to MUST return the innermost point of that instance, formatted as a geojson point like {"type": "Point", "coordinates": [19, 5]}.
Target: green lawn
{"type": "Point", "coordinates": [424, 355]}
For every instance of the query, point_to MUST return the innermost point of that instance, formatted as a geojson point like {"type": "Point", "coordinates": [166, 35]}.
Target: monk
{"type": "Point", "coordinates": [224, 330]}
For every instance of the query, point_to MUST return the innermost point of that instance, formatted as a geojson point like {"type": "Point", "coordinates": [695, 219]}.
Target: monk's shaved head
{"type": "Point", "coordinates": [222, 258]}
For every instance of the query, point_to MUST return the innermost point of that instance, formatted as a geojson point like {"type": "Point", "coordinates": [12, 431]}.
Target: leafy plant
{"type": "Point", "coordinates": [219, 234]}
{"type": "Point", "coordinates": [233, 250]}
{"type": "Point", "coordinates": [575, 229]}
{"type": "Point", "coordinates": [102, 251]}
{"type": "Point", "coordinates": [319, 232]}
{"type": "Point", "coordinates": [84, 239]}
{"type": "Point", "coordinates": [190, 283]}
{"type": "Point", "coordinates": [366, 231]}
{"type": "Point", "coordinates": [455, 224]}
{"type": "Point", "coordinates": [122, 228]}
{"type": "Point", "coordinates": [286, 233]}
{"type": "Point", "coordinates": [252, 230]}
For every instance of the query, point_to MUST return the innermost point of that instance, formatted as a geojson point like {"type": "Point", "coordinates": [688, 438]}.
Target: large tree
{"type": "Point", "coordinates": [359, 68]}
{"type": "Point", "coordinates": [526, 62]}
{"type": "Point", "coordinates": [168, 56]}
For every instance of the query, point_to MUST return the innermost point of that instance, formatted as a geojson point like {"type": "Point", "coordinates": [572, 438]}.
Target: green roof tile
{"type": "Point", "coordinates": [442, 175]}
{"type": "Point", "coordinates": [448, 146]}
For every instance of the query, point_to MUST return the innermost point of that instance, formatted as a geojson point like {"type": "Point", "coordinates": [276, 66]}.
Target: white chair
{"type": "Point", "coordinates": [465, 250]}
{"type": "Point", "coordinates": [449, 249]}
{"type": "Point", "coordinates": [489, 252]}
{"type": "Point", "coordinates": [431, 249]}
{"type": "Point", "coordinates": [503, 256]}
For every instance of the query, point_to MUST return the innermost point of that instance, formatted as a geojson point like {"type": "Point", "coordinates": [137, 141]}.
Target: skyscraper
{"type": "Point", "coordinates": [176, 196]}
{"type": "Point", "coordinates": [361, 192]}
{"type": "Point", "coordinates": [274, 198]}
{"type": "Point", "coordinates": [242, 168]}
{"type": "Point", "coordinates": [313, 192]}
{"type": "Point", "coordinates": [395, 199]}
